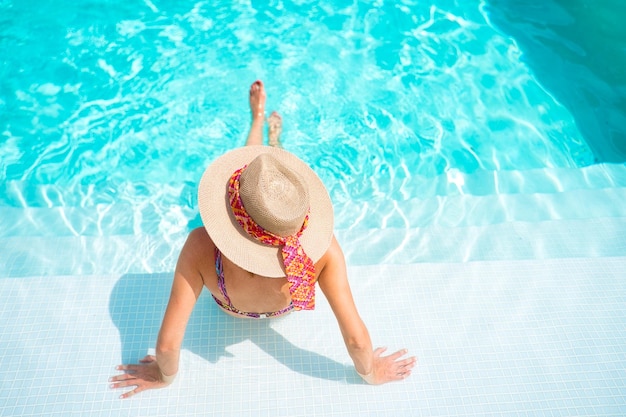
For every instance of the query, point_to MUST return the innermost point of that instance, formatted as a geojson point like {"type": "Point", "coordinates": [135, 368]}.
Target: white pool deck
{"type": "Point", "coordinates": [526, 317]}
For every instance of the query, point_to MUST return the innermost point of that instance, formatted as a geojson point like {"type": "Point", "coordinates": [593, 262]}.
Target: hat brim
{"type": "Point", "coordinates": [229, 236]}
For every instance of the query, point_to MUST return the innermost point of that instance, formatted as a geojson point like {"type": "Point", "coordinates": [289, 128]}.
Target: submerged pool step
{"type": "Point", "coordinates": [99, 220]}
{"type": "Point", "coordinates": [496, 197]}
{"type": "Point", "coordinates": [469, 210]}
{"type": "Point", "coordinates": [28, 194]}
{"type": "Point", "coordinates": [451, 211]}
{"type": "Point", "coordinates": [572, 238]}
{"type": "Point", "coordinates": [454, 182]}
{"type": "Point", "coordinates": [483, 183]}
{"type": "Point", "coordinates": [43, 255]}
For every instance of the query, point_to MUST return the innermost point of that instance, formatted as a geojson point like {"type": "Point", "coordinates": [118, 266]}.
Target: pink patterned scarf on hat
{"type": "Point", "coordinates": [298, 266]}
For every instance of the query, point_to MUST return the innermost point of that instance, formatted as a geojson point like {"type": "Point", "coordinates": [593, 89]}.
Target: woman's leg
{"type": "Point", "coordinates": [275, 123]}
{"type": "Point", "coordinates": [257, 108]}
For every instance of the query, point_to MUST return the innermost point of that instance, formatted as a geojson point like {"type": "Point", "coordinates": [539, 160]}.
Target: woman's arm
{"type": "Point", "coordinates": [186, 289]}
{"type": "Point", "coordinates": [373, 367]}
{"type": "Point", "coordinates": [157, 372]}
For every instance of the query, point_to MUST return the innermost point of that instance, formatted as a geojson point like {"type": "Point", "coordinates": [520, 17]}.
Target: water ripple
{"type": "Point", "coordinates": [381, 99]}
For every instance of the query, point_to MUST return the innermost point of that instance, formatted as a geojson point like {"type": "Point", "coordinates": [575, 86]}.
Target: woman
{"type": "Point", "coordinates": [267, 239]}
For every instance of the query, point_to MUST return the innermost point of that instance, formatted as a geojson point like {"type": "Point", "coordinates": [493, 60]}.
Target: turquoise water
{"type": "Point", "coordinates": [107, 102]}
{"type": "Point", "coordinates": [577, 50]}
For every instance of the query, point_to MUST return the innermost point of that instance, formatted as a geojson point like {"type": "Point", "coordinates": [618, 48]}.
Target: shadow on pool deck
{"type": "Point", "coordinates": [137, 304]}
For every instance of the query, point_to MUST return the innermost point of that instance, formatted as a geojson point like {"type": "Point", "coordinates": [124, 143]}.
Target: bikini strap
{"type": "Point", "coordinates": [219, 270]}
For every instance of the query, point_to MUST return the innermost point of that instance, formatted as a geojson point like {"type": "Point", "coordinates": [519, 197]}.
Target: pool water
{"type": "Point", "coordinates": [107, 102]}
{"type": "Point", "coordinates": [577, 50]}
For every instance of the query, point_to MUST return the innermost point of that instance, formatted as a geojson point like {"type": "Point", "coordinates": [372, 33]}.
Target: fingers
{"type": "Point", "coordinates": [409, 362]}
{"type": "Point", "coordinates": [395, 368]}
{"type": "Point", "coordinates": [124, 383]}
{"type": "Point", "coordinates": [131, 368]}
{"type": "Point", "coordinates": [404, 367]}
{"type": "Point", "coordinates": [402, 375]}
{"type": "Point", "coordinates": [131, 393]}
{"type": "Point", "coordinates": [120, 381]}
{"type": "Point", "coordinates": [127, 380]}
{"type": "Point", "coordinates": [127, 394]}
{"type": "Point", "coordinates": [142, 377]}
{"type": "Point", "coordinates": [398, 354]}
{"type": "Point", "coordinates": [394, 356]}
{"type": "Point", "coordinates": [122, 377]}
{"type": "Point", "coordinates": [399, 373]}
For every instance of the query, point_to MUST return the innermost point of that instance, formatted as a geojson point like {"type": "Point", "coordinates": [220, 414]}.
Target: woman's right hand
{"type": "Point", "coordinates": [143, 376]}
{"type": "Point", "coordinates": [389, 368]}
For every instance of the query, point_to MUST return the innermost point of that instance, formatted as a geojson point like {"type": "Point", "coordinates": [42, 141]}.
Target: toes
{"type": "Point", "coordinates": [256, 86]}
{"type": "Point", "coordinates": [275, 120]}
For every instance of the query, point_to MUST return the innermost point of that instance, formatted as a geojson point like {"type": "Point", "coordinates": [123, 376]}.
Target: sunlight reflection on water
{"type": "Point", "coordinates": [381, 100]}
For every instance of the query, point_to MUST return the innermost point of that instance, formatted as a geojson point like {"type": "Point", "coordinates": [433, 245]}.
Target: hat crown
{"type": "Point", "coordinates": [274, 196]}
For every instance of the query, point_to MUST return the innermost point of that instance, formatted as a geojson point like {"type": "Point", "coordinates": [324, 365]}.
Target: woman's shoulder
{"type": "Point", "coordinates": [334, 251]}
{"type": "Point", "coordinates": [198, 248]}
{"type": "Point", "coordinates": [332, 260]}
{"type": "Point", "coordinates": [199, 235]}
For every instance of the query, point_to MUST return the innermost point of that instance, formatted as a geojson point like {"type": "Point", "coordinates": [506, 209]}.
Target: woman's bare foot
{"type": "Point", "coordinates": [257, 108]}
{"type": "Point", "coordinates": [275, 123]}
{"type": "Point", "coordinates": [257, 100]}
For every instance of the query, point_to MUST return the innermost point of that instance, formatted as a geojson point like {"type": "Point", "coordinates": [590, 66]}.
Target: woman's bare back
{"type": "Point", "coordinates": [247, 291]}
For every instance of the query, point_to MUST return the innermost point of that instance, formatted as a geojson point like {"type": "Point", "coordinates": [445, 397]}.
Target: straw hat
{"type": "Point", "coordinates": [277, 190]}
